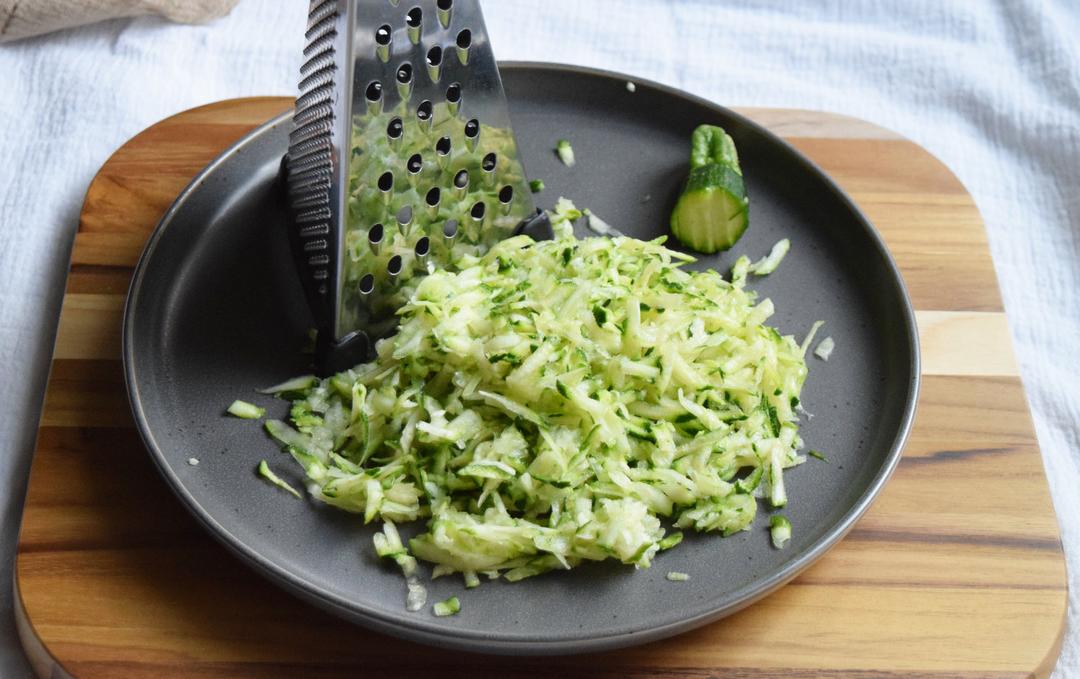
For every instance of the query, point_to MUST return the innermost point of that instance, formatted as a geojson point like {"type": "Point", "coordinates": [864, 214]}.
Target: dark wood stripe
{"type": "Point", "coordinates": [469, 666]}
{"type": "Point", "coordinates": [945, 456]}
{"type": "Point", "coordinates": [85, 393]}
{"type": "Point", "coordinates": [975, 540]}
{"type": "Point", "coordinates": [93, 279]}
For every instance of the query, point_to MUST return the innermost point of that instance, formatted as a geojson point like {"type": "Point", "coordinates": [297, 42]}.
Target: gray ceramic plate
{"type": "Point", "coordinates": [215, 311]}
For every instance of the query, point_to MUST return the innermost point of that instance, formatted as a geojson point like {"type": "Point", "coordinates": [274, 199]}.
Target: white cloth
{"type": "Point", "coordinates": [23, 18]}
{"type": "Point", "coordinates": [992, 89]}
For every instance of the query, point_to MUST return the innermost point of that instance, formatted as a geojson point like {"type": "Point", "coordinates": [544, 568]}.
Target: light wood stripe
{"type": "Point", "coordinates": [966, 343]}
{"type": "Point", "coordinates": [953, 343]}
{"type": "Point", "coordinates": [90, 327]}
{"type": "Point", "coordinates": [815, 124]}
{"type": "Point", "coordinates": [106, 249]}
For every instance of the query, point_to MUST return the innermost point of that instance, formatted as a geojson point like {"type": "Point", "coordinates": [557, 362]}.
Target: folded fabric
{"type": "Point", "coordinates": [24, 18]}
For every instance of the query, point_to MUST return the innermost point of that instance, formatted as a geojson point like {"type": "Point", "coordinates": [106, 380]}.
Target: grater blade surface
{"type": "Point", "coordinates": [401, 159]}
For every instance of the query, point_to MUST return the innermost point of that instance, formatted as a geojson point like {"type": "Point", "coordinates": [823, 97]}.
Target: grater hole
{"type": "Point", "coordinates": [415, 164]}
{"type": "Point", "coordinates": [434, 56]}
{"type": "Point", "coordinates": [383, 35]}
{"type": "Point", "coordinates": [375, 235]}
{"type": "Point", "coordinates": [478, 211]}
{"type": "Point", "coordinates": [434, 197]}
{"type": "Point", "coordinates": [404, 215]}
{"type": "Point", "coordinates": [464, 39]}
{"type": "Point", "coordinates": [415, 17]}
{"type": "Point", "coordinates": [386, 182]}
{"type": "Point", "coordinates": [423, 247]}
{"type": "Point", "coordinates": [472, 129]}
{"type": "Point", "coordinates": [393, 267]}
{"type": "Point", "coordinates": [443, 8]}
{"type": "Point", "coordinates": [404, 73]}
{"type": "Point", "coordinates": [506, 195]}
{"type": "Point", "coordinates": [489, 162]}
{"type": "Point", "coordinates": [395, 129]}
{"type": "Point", "coordinates": [424, 110]}
{"type": "Point", "coordinates": [443, 146]}
{"type": "Point", "coordinates": [450, 229]}
{"type": "Point", "coordinates": [461, 179]}
{"type": "Point", "coordinates": [453, 94]}
{"type": "Point", "coordinates": [374, 91]}
{"type": "Point", "coordinates": [367, 284]}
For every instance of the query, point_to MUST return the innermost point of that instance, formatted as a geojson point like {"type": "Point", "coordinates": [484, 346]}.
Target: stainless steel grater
{"type": "Point", "coordinates": [401, 160]}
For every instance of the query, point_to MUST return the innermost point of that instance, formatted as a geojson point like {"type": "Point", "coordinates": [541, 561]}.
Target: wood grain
{"type": "Point", "coordinates": [956, 571]}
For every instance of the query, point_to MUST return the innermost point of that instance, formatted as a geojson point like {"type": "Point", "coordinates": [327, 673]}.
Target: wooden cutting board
{"type": "Point", "coordinates": [956, 571]}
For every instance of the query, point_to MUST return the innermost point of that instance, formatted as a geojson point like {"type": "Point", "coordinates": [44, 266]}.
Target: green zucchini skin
{"type": "Point", "coordinates": [711, 145]}
{"type": "Point", "coordinates": [713, 211]}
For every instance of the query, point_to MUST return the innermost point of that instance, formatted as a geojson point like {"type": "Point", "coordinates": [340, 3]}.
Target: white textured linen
{"type": "Point", "coordinates": [991, 88]}
{"type": "Point", "coordinates": [24, 18]}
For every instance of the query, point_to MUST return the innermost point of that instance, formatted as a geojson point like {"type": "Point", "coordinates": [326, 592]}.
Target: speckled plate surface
{"type": "Point", "coordinates": [216, 311]}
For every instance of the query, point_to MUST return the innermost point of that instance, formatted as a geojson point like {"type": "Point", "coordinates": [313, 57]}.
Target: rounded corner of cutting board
{"type": "Point", "coordinates": [230, 118]}
{"type": "Point", "coordinates": [822, 124]}
{"type": "Point", "coordinates": [41, 659]}
{"type": "Point", "coordinates": [201, 133]}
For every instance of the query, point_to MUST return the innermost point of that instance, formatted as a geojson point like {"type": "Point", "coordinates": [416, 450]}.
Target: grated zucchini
{"type": "Point", "coordinates": [825, 348]}
{"type": "Point", "coordinates": [599, 226]}
{"type": "Point", "coordinates": [245, 410]}
{"type": "Point", "coordinates": [780, 530]}
{"type": "Point", "coordinates": [557, 402]}
{"type": "Point", "coordinates": [449, 607]}
{"type": "Point", "coordinates": [565, 152]}
{"type": "Point", "coordinates": [266, 473]}
{"type": "Point", "coordinates": [767, 264]}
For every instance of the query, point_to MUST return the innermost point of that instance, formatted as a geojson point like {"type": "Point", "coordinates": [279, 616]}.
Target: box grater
{"type": "Point", "coordinates": [401, 161]}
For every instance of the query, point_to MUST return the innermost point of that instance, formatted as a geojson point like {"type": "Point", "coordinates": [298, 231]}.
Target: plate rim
{"type": "Point", "coordinates": [430, 632]}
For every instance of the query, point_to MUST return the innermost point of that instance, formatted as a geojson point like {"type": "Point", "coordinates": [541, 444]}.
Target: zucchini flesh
{"type": "Point", "coordinates": [265, 472]}
{"type": "Point", "coordinates": [780, 530]}
{"type": "Point", "coordinates": [449, 607]}
{"type": "Point", "coordinates": [767, 264]}
{"type": "Point", "coordinates": [245, 410]}
{"type": "Point", "coordinates": [565, 152]}
{"type": "Point", "coordinates": [825, 348]}
{"type": "Point", "coordinates": [713, 211]}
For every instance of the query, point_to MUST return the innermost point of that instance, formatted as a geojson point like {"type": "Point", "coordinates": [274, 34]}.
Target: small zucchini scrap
{"type": "Point", "coordinates": [245, 410]}
{"type": "Point", "coordinates": [780, 528]}
{"type": "Point", "coordinates": [266, 473]}
{"type": "Point", "coordinates": [449, 607]}
{"type": "Point", "coordinates": [565, 151]}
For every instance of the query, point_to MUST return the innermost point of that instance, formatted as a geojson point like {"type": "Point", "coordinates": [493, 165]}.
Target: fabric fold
{"type": "Point", "coordinates": [25, 18]}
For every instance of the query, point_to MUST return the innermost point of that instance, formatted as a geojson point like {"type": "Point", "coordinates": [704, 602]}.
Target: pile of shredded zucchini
{"type": "Point", "coordinates": [554, 402]}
